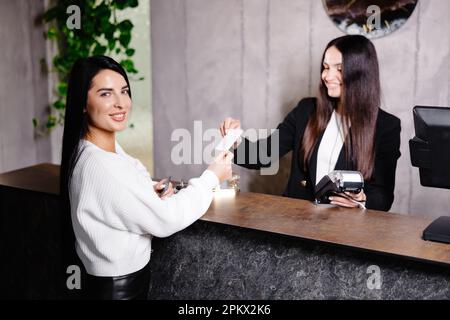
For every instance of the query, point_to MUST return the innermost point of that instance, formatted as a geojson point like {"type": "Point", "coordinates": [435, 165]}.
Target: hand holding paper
{"type": "Point", "coordinates": [229, 139]}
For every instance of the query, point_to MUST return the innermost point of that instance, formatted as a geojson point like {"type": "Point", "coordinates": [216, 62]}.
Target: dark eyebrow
{"type": "Point", "coordinates": [104, 89]}
{"type": "Point", "coordinates": [335, 65]}
{"type": "Point", "coordinates": [110, 89]}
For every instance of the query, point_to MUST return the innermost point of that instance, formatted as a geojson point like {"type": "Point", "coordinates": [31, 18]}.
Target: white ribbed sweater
{"type": "Point", "coordinates": [115, 210]}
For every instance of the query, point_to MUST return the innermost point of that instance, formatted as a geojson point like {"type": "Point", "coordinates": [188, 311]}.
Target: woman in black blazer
{"type": "Point", "coordinates": [342, 129]}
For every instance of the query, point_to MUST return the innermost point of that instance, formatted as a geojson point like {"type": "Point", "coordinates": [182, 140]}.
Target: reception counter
{"type": "Point", "coordinates": [248, 246]}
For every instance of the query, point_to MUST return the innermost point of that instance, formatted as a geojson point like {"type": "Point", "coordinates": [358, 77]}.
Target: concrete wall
{"type": "Point", "coordinates": [23, 85]}
{"type": "Point", "coordinates": [254, 59]}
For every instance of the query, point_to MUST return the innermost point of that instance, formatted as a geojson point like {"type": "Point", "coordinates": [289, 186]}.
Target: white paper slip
{"type": "Point", "coordinates": [230, 138]}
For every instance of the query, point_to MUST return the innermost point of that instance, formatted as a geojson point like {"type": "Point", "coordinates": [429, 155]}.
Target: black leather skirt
{"type": "Point", "coordinates": [133, 286]}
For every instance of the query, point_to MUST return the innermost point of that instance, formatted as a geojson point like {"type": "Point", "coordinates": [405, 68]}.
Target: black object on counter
{"type": "Point", "coordinates": [438, 230]}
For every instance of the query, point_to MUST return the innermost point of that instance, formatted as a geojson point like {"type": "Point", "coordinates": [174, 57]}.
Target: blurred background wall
{"type": "Point", "coordinates": [23, 85]}
{"type": "Point", "coordinates": [254, 59]}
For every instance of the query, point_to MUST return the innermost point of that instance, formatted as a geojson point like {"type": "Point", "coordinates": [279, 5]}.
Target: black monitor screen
{"type": "Point", "coordinates": [430, 148]}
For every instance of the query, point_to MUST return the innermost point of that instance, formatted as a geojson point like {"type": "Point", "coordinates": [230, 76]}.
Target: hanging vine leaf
{"type": "Point", "coordinates": [59, 105]}
{"type": "Point", "coordinates": [62, 88]}
{"type": "Point", "coordinates": [122, 4]}
{"type": "Point", "coordinates": [128, 65]}
{"type": "Point", "coordinates": [52, 33]}
{"type": "Point", "coordinates": [129, 52]}
{"type": "Point", "coordinates": [125, 38]}
{"type": "Point", "coordinates": [51, 121]}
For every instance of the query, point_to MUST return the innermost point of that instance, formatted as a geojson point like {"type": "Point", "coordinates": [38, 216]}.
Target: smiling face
{"type": "Point", "coordinates": [332, 72]}
{"type": "Point", "coordinates": [108, 102]}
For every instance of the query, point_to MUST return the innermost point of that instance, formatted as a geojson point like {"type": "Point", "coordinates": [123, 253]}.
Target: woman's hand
{"type": "Point", "coordinates": [222, 165]}
{"type": "Point", "coordinates": [355, 200]}
{"type": "Point", "coordinates": [230, 123]}
{"type": "Point", "coordinates": [160, 185]}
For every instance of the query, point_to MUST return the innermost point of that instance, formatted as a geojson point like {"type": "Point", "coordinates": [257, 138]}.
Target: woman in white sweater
{"type": "Point", "coordinates": [114, 205]}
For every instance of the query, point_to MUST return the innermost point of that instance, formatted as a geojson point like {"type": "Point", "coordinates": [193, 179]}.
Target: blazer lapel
{"type": "Point", "coordinates": [312, 164]}
{"type": "Point", "coordinates": [340, 163]}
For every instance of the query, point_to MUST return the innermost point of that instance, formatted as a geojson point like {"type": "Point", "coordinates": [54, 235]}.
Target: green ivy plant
{"type": "Point", "coordinates": [100, 33]}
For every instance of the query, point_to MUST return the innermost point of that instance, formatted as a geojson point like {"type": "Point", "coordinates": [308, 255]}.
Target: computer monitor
{"type": "Point", "coordinates": [430, 148]}
{"type": "Point", "coordinates": [430, 152]}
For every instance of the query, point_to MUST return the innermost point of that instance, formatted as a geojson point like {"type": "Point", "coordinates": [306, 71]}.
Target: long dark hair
{"type": "Point", "coordinates": [75, 129]}
{"type": "Point", "coordinates": [360, 101]}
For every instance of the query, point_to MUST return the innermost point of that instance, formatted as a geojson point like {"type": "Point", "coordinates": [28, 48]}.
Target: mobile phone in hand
{"type": "Point", "coordinates": [166, 186]}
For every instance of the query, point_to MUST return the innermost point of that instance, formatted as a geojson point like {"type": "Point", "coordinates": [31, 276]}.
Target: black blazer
{"type": "Point", "coordinates": [379, 189]}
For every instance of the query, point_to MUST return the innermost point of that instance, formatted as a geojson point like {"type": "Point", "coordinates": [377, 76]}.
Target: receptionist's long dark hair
{"type": "Point", "coordinates": [360, 98]}
{"type": "Point", "coordinates": [75, 129]}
